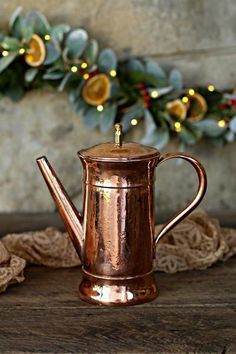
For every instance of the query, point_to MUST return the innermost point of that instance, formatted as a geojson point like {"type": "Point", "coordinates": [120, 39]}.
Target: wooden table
{"type": "Point", "coordinates": [195, 312]}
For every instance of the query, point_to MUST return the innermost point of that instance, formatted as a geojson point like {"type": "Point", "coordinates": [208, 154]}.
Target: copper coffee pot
{"type": "Point", "coordinates": [115, 236]}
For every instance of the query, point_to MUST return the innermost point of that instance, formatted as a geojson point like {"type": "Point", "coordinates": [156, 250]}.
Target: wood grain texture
{"type": "Point", "coordinates": [195, 312]}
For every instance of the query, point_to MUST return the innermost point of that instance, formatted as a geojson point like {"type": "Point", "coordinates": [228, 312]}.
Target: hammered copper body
{"type": "Point", "coordinates": [115, 238]}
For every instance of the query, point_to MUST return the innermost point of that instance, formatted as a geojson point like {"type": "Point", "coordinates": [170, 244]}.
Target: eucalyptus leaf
{"type": "Point", "coordinates": [229, 136]}
{"type": "Point", "coordinates": [10, 43]}
{"type": "Point", "coordinates": [74, 93]}
{"type": "Point", "coordinates": [25, 29]}
{"type": "Point", "coordinates": [38, 23]}
{"type": "Point", "coordinates": [134, 112]}
{"type": "Point", "coordinates": [53, 54]}
{"type": "Point", "coordinates": [176, 80]}
{"type": "Point", "coordinates": [135, 65]}
{"type": "Point", "coordinates": [150, 126]}
{"type": "Point", "coordinates": [15, 15]}
{"type": "Point", "coordinates": [91, 52]}
{"type": "Point", "coordinates": [80, 106]}
{"type": "Point", "coordinates": [153, 68]}
{"type": "Point", "coordinates": [144, 77]}
{"type": "Point", "coordinates": [15, 92]}
{"type": "Point", "coordinates": [6, 61]}
{"type": "Point", "coordinates": [107, 118]}
{"type": "Point", "coordinates": [76, 43]}
{"type": "Point", "coordinates": [2, 36]}
{"type": "Point", "coordinates": [107, 60]}
{"type": "Point", "coordinates": [210, 127]}
{"type": "Point", "coordinates": [115, 90]}
{"type": "Point", "coordinates": [14, 22]}
{"type": "Point", "coordinates": [91, 117]}
{"type": "Point", "coordinates": [64, 81]}
{"type": "Point", "coordinates": [232, 124]}
{"type": "Point", "coordinates": [230, 96]}
{"type": "Point", "coordinates": [30, 74]}
{"type": "Point", "coordinates": [162, 91]}
{"type": "Point", "coordinates": [158, 138]}
{"type": "Point", "coordinates": [53, 75]}
{"type": "Point", "coordinates": [155, 136]}
{"type": "Point", "coordinates": [58, 32]}
{"type": "Point", "coordinates": [16, 28]}
{"type": "Point", "coordinates": [187, 136]}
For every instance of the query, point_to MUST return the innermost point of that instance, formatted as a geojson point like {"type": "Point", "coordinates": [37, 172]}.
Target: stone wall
{"type": "Point", "coordinates": [196, 36]}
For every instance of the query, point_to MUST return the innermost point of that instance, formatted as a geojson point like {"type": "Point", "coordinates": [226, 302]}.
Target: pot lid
{"type": "Point", "coordinates": [119, 150]}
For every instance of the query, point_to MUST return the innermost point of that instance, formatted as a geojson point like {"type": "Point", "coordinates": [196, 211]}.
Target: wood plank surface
{"type": "Point", "coordinates": [194, 313]}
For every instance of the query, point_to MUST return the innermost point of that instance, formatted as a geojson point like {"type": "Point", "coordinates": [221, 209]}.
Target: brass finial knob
{"type": "Point", "coordinates": [118, 134]}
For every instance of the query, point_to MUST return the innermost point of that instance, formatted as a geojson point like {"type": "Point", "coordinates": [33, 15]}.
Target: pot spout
{"type": "Point", "coordinates": [69, 214]}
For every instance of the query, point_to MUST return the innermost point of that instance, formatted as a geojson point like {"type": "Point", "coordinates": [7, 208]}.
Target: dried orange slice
{"type": "Point", "coordinates": [97, 90]}
{"type": "Point", "coordinates": [177, 109]}
{"type": "Point", "coordinates": [36, 53]}
{"type": "Point", "coordinates": [197, 107]}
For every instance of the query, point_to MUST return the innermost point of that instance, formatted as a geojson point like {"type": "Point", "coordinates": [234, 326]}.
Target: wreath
{"type": "Point", "coordinates": [104, 90]}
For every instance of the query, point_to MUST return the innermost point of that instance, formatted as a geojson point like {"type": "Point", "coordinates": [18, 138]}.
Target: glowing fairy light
{"type": "Point", "coordinates": [177, 126]}
{"type": "Point", "coordinates": [134, 122]}
{"type": "Point", "coordinates": [100, 108]}
{"type": "Point", "coordinates": [211, 88]}
{"type": "Point", "coordinates": [222, 123]}
{"type": "Point", "coordinates": [74, 69]}
{"type": "Point", "coordinates": [113, 73]}
{"type": "Point", "coordinates": [47, 37]}
{"type": "Point", "coordinates": [21, 50]}
{"type": "Point", "coordinates": [84, 65]}
{"type": "Point", "coordinates": [86, 76]}
{"type": "Point", "coordinates": [185, 99]}
{"type": "Point", "coordinates": [191, 92]}
{"type": "Point", "coordinates": [154, 94]}
{"type": "Point", "coordinates": [5, 53]}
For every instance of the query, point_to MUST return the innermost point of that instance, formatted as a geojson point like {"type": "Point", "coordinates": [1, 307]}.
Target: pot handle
{"type": "Point", "coordinates": [194, 203]}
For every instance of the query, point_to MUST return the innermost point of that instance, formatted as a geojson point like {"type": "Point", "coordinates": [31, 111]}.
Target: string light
{"type": "Point", "coordinates": [84, 65]}
{"type": "Point", "coordinates": [100, 108]}
{"type": "Point", "coordinates": [21, 50]}
{"type": "Point", "coordinates": [177, 126]}
{"type": "Point", "coordinates": [211, 88]}
{"type": "Point", "coordinates": [47, 37]}
{"type": "Point", "coordinates": [185, 99]}
{"type": "Point", "coordinates": [154, 94]}
{"type": "Point", "coordinates": [134, 122]}
{"type": "Point", "coordinates": [74, 69]}
{"type": "Point", "coordinates": [191, 92]}
{"type": "Point", "coordinates": [113, 73]}
{"type": "Point", "coordinates": [5, 53]}
{"type": "Point", "coordinates": [86, 76]}
{"type": "Point", "coordinates": [221, 123]}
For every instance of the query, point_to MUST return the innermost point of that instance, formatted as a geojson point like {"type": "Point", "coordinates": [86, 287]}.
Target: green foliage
{"type": "Point", "coordinates": [58, 32]}
{"type": "Point", "coordinates": [91, 52]}
{"type": "Point", "coordinates": [76, 43]}
{"type": "Point", "coordinates": [30, 74]}
{"type": "Point", "coordinates": [107, 60]}
{"type": "Point", "coordinates": [176, 80]}
{"type": "Point", "coordinates": [10, 43]}
{"type": "Point", "coordinates": [6, 61]}
{"type": "Point", "coordinates": [140, 89]}
{"type": "Point", "coordinates": [38, 23]}
{"type": "Point", "coordinates": [53, 53]}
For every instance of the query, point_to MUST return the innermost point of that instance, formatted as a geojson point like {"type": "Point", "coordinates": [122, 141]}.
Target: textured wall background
{"type": "Point", "coordinates": [197, 36]}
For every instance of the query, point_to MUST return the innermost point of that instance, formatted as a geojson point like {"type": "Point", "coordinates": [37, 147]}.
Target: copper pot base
{"type": "Point", "coordinates": [122, 292]}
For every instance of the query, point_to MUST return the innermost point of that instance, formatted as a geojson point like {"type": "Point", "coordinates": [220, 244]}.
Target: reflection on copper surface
{"type": "Point", "coordinates": [115, 237]}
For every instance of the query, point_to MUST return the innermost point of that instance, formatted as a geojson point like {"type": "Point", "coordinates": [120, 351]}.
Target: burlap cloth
{"type": "Point", "coordinates": [196, 243]}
